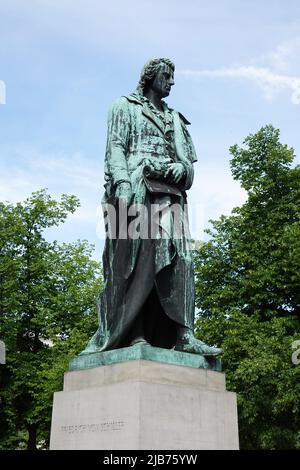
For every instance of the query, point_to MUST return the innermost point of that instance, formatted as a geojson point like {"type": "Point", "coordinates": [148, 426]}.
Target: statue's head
{"type": "Point", "coordinates": [159, 75]}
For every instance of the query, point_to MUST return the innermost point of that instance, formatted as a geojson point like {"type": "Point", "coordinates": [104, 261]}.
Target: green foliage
{"type": "Point", "coordinates": [247, 292]}
{"type": "Point", "coordinates": [47, 313]}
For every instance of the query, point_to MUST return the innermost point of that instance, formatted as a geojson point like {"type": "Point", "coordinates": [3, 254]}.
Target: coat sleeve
{"type": "Point", "coordinates": [184, 149]}
{"type": "Point", "coordinates": [117, 142]}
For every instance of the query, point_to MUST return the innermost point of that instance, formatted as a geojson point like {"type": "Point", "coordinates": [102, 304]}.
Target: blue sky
{"type": "Point", "coordinates": [63, 62]}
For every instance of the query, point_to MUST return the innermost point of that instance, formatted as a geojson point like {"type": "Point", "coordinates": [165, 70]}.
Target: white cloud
{"type": "Point", "coordinates": [214, 192]}
{"type": "Point", "coordinates": [284, 59]}
{"type": "Point", "coordinates": [271, 83]}
{"type": "Point", "coordinates": [2, 92]}
{"type": "Point", "coordinates": [27, 170]}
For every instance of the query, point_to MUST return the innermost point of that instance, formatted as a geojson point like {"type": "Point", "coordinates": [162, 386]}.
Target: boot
{"type": "Point", "coordinates": [187, 342]}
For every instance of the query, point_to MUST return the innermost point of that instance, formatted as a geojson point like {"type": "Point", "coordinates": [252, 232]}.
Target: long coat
{"type": "Point", "coordinates": [153, 276]}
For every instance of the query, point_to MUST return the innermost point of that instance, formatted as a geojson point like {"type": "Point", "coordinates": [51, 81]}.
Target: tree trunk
{"type": "Point", "coordinates": [32, 431]}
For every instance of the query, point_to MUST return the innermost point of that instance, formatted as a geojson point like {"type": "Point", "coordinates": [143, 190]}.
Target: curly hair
{"type": "Point", "coordinates": [149, 71]}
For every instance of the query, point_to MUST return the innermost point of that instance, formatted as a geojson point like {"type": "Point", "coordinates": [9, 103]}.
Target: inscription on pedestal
{"type": "Point", "coordinates": [95, 427]}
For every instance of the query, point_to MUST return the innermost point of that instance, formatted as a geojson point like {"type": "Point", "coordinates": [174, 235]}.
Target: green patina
{"type": "Point", "coordinates": [146, 352]}
{"type": "Point", "coordinates": [149, 288]}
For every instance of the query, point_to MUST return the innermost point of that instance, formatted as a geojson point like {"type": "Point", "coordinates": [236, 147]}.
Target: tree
{"type": "Point", "coordinates": [47, 313]}
{"type": "Point", "coordinates": [247, 291]}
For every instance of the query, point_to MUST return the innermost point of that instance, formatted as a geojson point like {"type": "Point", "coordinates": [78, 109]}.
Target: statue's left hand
{"type": "Point", "coordinates": [176, 171]}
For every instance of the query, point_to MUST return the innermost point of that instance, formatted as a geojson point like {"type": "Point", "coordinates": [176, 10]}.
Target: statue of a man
{"type": "Point", "coordinates": [148, 294]}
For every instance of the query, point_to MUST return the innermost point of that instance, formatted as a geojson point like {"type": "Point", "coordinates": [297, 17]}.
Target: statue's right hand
{"type": "Point", "coordinates": [123, 191]}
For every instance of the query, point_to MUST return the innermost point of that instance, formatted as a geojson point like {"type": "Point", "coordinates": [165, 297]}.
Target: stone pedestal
{"type": "Point", "coordinates": [143, 404]}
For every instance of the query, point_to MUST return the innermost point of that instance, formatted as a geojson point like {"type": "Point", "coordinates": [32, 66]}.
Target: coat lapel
{"type": "Point", "coordinates": [146, 111]}
{"type": "Point", "coordinates": [150, 115]}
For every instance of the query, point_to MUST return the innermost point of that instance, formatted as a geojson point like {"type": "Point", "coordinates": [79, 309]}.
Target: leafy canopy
{"type": "Point", "coordinates": [47, 313]}
{"type": "Point", "coordinates": [247, 291]}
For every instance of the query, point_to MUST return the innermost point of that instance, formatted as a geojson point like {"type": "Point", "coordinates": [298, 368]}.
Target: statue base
{"type": "Point", "coordinates": [147, 352]}
{"type": "Point", "coordinates": [143, 404]}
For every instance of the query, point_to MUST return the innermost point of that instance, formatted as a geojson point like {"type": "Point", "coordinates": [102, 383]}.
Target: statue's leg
{"type": "Point", "coordinates": [140, 288]}
{"type": "Point", "coordinates": [138, 333]}
{"type": "Point", "coordinates": [175, 286]}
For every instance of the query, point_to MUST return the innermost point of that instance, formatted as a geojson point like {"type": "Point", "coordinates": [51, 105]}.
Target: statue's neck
{"type": "Point", "coordinates": [154, 98]}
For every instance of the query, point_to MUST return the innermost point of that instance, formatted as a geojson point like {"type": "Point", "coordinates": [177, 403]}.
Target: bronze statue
{"type": "Point", "coordinates": [148, 294]}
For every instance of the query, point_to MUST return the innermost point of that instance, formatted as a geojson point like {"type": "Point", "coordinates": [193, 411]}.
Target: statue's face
{"type": "Point", "coordinates": [163, 81]}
